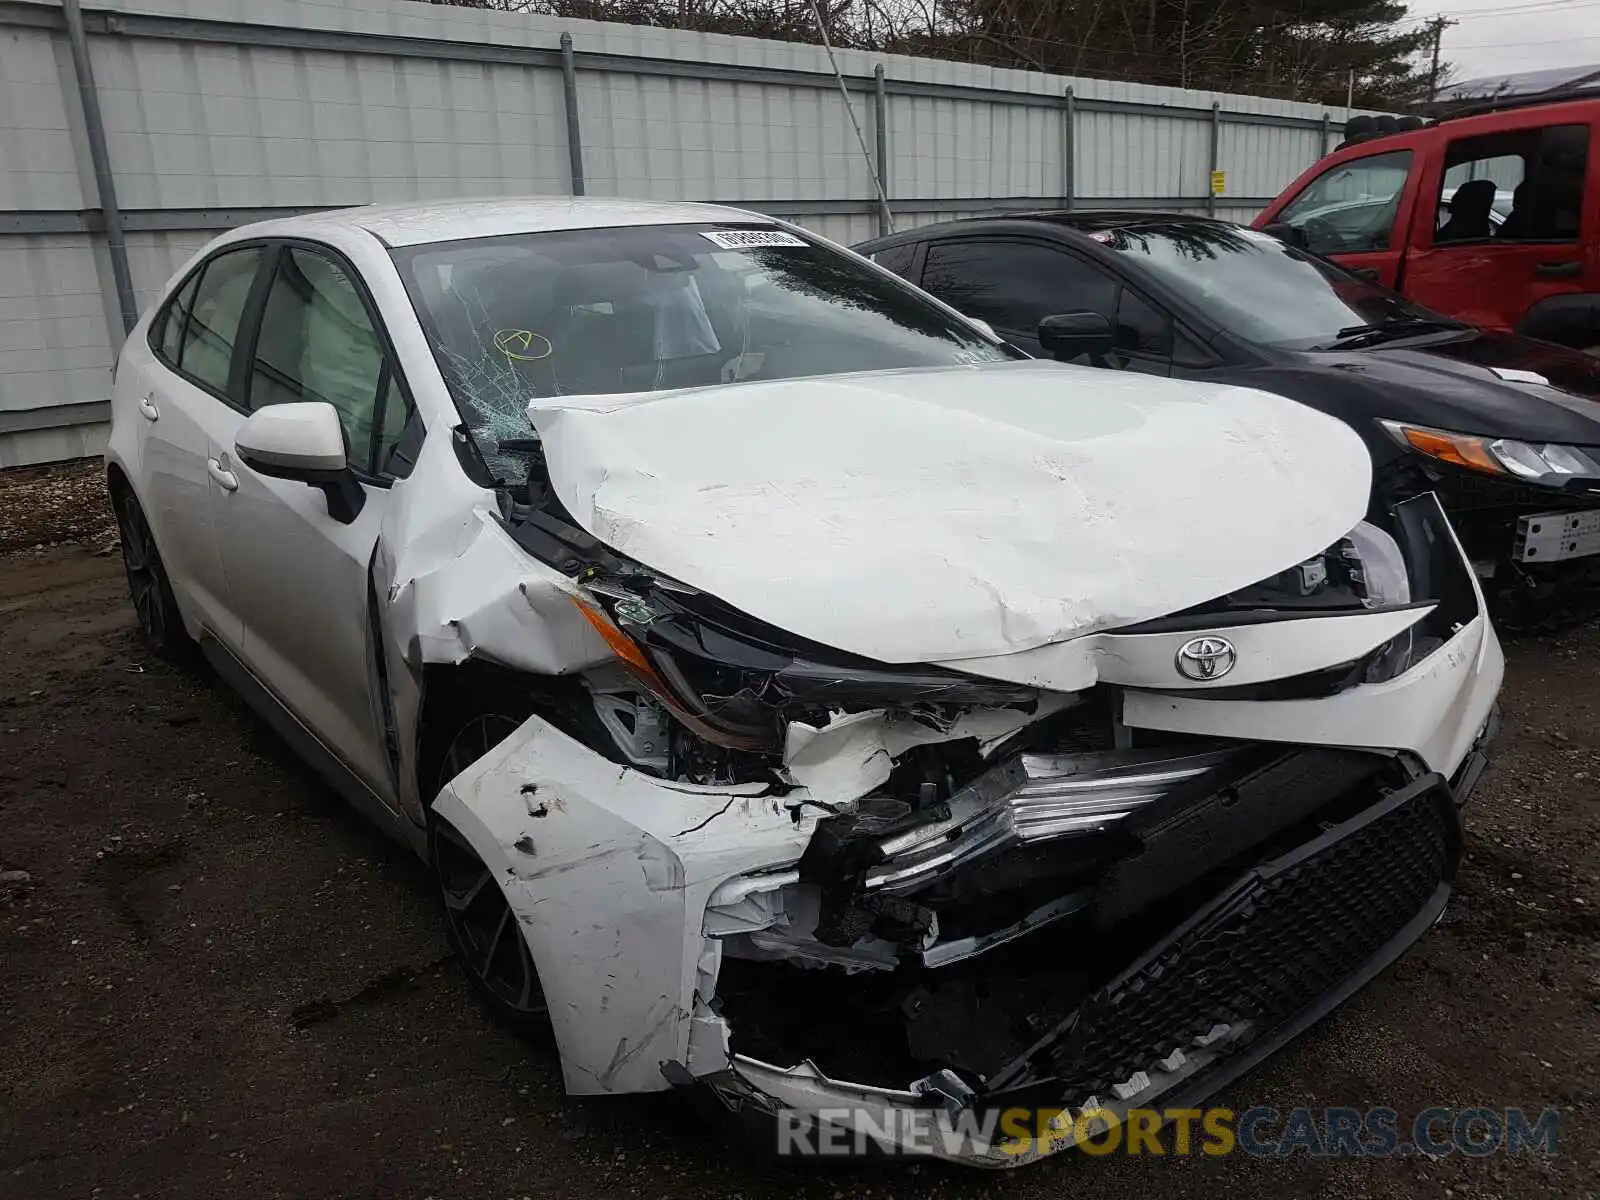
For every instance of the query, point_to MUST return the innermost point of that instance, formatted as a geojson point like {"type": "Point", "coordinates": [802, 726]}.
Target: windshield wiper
{"type": "Point", "coordinates": [1371, 333]}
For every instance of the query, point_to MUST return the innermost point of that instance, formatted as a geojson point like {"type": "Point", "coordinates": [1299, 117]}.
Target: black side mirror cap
{"type": "Point", "coordinates": [1066, 336]}
{"type": "Point", "coordinates": [1289, 235]}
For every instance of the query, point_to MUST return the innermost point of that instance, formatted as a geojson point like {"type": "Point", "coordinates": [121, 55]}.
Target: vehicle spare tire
{"type": "Point", "coordinates": [1357, 128]}
{"type": "Point", "coordinates": [1407, 124]}
{"type": "Point", "coordinates": [1383, 126]}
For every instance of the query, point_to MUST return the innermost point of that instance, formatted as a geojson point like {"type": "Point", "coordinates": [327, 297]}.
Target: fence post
{"type": "Point", "coordinates": [569, 90]}
{"type": "Point", "coordinates": [880, 110]}
{"type": "Point", "coordinates": [1216, 151]}
{"type": "Point", "coordinates": [94, 130]}
{"type": "Point", "coordinates": [1068, 149]}
{"type": "Point", "coordinates": [1327, 122]}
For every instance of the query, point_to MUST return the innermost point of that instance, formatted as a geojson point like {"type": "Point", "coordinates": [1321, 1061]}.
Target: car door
{"type": "Point", "coordinates": [298, 575]}
{"type": "Point", "coordinates": [1487, 273]}
{"type": "Point", "coordinates": [189, 408]}
{"type": "Point", "coordinates": [1355, 212]}
{"type": "Point", "coordinates": [1014, 283]}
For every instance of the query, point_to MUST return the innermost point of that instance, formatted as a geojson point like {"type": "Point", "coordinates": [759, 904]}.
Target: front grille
{"type": "Point", "coordinates": [1263, 953]}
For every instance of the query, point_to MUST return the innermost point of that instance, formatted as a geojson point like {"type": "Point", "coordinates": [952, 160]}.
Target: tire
{"type": "Point", "coordinates": [1357, 128]}
{"type": "Point", "coordinates": [160, 622]}
{"type": "Point", "coordinates": [483, 932]}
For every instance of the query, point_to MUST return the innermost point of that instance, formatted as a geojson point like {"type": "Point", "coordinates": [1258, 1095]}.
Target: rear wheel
{"type": "Point", "coordinates": [482, 929]}
{"type": "Point", "coordinates": [154, 605]}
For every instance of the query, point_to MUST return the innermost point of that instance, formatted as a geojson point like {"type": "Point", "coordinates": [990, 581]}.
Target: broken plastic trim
{"type": "Point", "coordinates": [736, 681]}
{"type": "Point", "coordinates": [1036, 798]}
{"type": "Point", "coordinates": [1193, 1063]}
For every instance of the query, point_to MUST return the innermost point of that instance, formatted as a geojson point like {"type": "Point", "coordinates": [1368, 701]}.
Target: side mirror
{"type": "Point", "coordinates": [304, 442]}
{"type": "Point", "coordinates": [1065, 336]}
{"type": "Point", "coordinates": [1289, 235]}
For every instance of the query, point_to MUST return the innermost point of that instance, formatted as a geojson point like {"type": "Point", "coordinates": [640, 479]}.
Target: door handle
{"type": "Point", "coordinates": [1558, 269]}
{"type": "Point", "coordinates": [147, 407]}
{"type": "Point", "coordinates": [1368, 273]}
{"type": "Point", "coordinates": [226, 479]}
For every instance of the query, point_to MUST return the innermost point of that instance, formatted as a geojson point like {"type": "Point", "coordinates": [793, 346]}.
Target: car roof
{"type": "Point", "coordinates": [1075, 220]}
{"type": "Point", "coordinates": [422, 222]}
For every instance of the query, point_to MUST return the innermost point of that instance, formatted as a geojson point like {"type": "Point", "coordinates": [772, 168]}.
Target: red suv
{"type": "Point", "coordinates": [1491, 218]}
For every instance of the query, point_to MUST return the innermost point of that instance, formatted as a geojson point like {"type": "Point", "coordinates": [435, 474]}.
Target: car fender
{"type": "Point", "coordinates": [608, 872]}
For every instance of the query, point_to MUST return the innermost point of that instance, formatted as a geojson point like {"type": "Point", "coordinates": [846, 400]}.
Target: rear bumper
{"type": "Point", "coordinates": [1254, 967]}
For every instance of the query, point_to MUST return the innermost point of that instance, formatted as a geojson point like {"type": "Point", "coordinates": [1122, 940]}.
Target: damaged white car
{"type": "Point", "coordinates": [803, 699]}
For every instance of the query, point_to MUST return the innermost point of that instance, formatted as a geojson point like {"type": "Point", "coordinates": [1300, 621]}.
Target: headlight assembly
{"type": "Point", "coordinates": [1549, 464]}
{"type": "Point", "coordinates": [737, 682]}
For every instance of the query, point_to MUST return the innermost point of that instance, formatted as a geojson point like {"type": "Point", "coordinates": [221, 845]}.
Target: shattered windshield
{"type": "Point", "coordinates": [651, 308]}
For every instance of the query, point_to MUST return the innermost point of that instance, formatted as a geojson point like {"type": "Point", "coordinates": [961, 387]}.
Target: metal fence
{"type": "Point", "coordinates": [131, 131]}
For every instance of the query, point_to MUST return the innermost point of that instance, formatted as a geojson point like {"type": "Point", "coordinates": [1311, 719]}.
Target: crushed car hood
{"type": "Point", "coordinates": [914, 516]}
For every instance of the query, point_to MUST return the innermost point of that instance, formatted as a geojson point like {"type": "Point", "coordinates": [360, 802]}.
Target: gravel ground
{"type": "Point", "coordinates": [41, 507]}
{"type": "Point", "coordinates": [218, 981]}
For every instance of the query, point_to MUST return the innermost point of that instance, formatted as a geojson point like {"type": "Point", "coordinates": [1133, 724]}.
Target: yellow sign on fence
{"type": "Point", "coordinates": [1219, 182]}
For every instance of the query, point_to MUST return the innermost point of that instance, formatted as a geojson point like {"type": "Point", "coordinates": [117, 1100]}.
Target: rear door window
{"type": "Point", "coordinates": [201, 325]}
{"type": "Point", "coordinates": [1523, 185]}
{"type": "Point", "coordinates": [172, 320]}
{"type": "Point", "coordinates": [1014, 285]}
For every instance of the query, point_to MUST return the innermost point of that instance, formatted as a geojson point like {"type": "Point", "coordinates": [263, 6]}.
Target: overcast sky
{"type": "Point", "coordinates": [1498, 37]}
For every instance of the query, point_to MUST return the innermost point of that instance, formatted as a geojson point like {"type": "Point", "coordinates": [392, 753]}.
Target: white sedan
{"type": "Point", "coordinates": [801, 696]}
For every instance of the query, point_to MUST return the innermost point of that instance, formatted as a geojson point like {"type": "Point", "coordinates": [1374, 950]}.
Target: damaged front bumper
{"type": "Point", "coordinates": [1132, 894]}
{"type": "Point", "coordinates": [1252, 968]}
{"type": "Point", "coordinates": [679, 929]}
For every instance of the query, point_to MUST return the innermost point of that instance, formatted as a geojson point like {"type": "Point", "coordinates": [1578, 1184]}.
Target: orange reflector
{"type": "Point", "coordinates": [1462, 451]}
{"type": "Point", "coordinates": [621, 644]}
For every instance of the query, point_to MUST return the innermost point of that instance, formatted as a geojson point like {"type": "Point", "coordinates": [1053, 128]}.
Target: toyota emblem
{"type": "Point", "coordinates": [1206, 658]}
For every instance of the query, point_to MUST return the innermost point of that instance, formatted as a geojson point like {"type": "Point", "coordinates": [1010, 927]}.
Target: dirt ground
{"type": "Point", "coordinates": [217, 981]}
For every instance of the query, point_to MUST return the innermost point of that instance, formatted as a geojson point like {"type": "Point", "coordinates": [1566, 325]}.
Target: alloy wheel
{"type": "Point", "coordinates": [147, 585]}
{"type": "Point", "coordinates": [483, 928]}
{"type": "Point", "coordinates": [486, 933]}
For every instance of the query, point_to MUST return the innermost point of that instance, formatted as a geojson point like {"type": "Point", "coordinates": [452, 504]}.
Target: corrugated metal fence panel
{"type": "Point", "coordinates": [198, 126]}
{"type": "Point", "coordinates": [1123, 155]}
{"type": "Point", "coordinates": [55, 347]}
{"type": "Point", "coordinates": [38, 166]}
{"type": "Point", "coordinates": [1253, 156]}
{"type": "Point", "coordinates": [696, 139]}
{"type": "Point", "coordinates": [952, 149]}
{"type": "Point", "coordinates": [37, 160]}
{"type": "Point", "coordinates": [217, 107]}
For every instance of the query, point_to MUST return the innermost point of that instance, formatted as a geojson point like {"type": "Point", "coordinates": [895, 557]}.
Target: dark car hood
{"type": "Point", "coordinates": [1466, 384]}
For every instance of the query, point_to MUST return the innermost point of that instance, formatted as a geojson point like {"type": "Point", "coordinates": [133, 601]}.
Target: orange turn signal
{"type": "Point", "coordinates": [621, 644]}
{"type": "Point", "coordinates": [1459, 449]}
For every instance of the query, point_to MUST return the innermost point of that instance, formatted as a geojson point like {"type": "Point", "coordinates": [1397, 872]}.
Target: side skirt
{"type": "Point", "coordinates": [310, 749]}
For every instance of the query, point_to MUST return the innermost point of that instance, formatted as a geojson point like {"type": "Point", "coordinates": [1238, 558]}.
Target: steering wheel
{"type": "Point", "coordinates": [1322, 237]}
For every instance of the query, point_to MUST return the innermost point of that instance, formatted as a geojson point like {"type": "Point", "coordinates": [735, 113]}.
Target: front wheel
{"type": "Point", "coordinates": [479, 924]}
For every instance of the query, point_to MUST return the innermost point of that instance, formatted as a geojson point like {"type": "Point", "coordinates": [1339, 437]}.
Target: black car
{"type": "Point", "coordinates": [1506, 429]}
